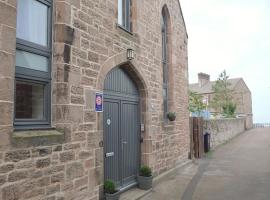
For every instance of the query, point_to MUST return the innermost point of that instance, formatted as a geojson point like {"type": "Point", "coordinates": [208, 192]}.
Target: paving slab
{"type": "Point", "coordinates": [179, 177]}
{"type": "Point", "coordinates": [237, 170]}
{"type": "Point", "coordinates": [174, 185]}
{"type": "Point", "coordinates": [134, 194]}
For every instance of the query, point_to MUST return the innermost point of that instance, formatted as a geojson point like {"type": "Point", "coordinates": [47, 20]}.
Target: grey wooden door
{"type": "Point", "coordinates": [121, 128]}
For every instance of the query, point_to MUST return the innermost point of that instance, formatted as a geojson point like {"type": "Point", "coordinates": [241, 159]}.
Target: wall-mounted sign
{"type": "Point", "coordinates": [99, 102]}
{"type": "Point", "coordinates": [142, 127]}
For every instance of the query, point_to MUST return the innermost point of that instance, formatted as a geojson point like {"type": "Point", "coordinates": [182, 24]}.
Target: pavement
{"type": "Point", "coordinates": [237, 170]}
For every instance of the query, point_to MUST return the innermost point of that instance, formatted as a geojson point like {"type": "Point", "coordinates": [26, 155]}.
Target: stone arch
{"type": "Point", "coordinates": [179, 13]}
{"type": "Point", "coordinates": [131, 67]}
{"type": "Point", "coordinates": [133, 70]}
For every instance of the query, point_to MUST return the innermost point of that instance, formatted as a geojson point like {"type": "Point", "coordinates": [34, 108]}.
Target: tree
{"type": "Point", "coordinates": [222, 101]}
{"type": "Point", "coordinates": [229, 110]}
{"type": "Point", "coordinates": [196, 104]}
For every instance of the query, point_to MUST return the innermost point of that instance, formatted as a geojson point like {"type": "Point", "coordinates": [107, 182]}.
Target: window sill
{"type": "Point", "coordinates": [123, 28]}
{"type": "Point", "coordinates": [34, 138]}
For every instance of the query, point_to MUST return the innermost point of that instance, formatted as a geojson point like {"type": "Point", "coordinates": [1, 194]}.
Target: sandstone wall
{"type": "Point", "coordinates": [67, 162]}
{"type": "Point", "coordinates": [222, 130]}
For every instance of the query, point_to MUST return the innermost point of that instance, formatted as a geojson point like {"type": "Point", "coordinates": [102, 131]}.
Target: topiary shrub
{"type": "Point", "coordinates": [145, 171]}
{"type": "Point", "coordinates": [109, 187]}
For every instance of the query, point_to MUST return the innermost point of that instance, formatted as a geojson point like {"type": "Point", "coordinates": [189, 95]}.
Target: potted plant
{"type": "Point", "coordinates": [171, 116]}
{"type": "Point", "coordinates": [111, 193]}
{"type": "Point", "coordinates": [145, 178]}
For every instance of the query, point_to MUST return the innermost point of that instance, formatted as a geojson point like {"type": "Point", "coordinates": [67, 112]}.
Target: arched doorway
{"type": "Point", "coordinates": [121, 125]}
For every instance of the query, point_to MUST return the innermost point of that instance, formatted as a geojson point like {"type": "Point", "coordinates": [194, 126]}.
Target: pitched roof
{"type": "Point", "coordinates": [207, 88]}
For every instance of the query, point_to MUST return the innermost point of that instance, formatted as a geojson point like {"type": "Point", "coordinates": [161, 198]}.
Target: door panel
{"type": "Point", "coordinates": [130, 141]}
{"type": "Point", "coordinates": [121, 128]}
{"type": "Point", "coordinates": [111, 139]}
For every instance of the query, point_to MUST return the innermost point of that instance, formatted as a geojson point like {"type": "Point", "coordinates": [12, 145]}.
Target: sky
{"type": "Point", "coordinates": [233, 35]}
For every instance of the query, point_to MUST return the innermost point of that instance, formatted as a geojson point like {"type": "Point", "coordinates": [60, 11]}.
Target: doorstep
{"type": "Point", "coordinates": [136, 193]}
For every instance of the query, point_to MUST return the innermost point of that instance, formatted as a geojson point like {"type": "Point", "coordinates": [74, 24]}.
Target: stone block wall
{"type": "Point", "coordinates": [87, 44]}
{"type": "Point", "coordinates": [222, 130]}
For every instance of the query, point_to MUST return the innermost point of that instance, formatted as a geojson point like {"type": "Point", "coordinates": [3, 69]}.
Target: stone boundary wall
{"type": "Point", "coordinates": [222, 130]}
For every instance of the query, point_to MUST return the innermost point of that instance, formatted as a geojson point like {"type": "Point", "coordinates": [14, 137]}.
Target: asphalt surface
{"type": "Point", "coordinates": [237, 170]}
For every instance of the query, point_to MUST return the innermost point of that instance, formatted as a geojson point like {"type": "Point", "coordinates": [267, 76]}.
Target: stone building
{"type": "Point", "coordinates": [58, 61]}
{"type": "Point", "coordinates": [241, 95]}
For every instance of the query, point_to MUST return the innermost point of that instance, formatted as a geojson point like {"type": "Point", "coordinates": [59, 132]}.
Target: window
{"type": "Point", "coordinates": [33, 64]}
{"type": "Point", "coordinates": [124, 14]}
{"type": "Point", "coordinates": [165, 60]}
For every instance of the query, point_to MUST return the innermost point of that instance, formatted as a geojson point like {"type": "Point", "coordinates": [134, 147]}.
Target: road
{"type": "Point", "coordinates": [238, 170]}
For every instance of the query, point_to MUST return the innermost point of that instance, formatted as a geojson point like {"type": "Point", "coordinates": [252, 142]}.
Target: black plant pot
{"type": "Point", "coordinates": [114, 196]}
{"type": "Point", "coordinates": [145, 183]}
{"type": "Point", "coordinates": [171, 117]}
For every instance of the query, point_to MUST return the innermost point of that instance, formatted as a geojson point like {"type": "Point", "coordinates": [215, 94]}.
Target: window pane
{"type": "Point", "coordinates": [32, 21]}
{"type": "Point", "coordinates": [29, 101]}
{"type": "Point", "coordinates": [127, 14]}
{"type": "Point", "coordinates": [120, 12]}
{"type": "Point", "coordinates": [31, 61]}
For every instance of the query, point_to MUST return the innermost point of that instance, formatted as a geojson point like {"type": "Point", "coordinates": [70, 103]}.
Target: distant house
{"type": "Point", "coordinates": [241, 95]}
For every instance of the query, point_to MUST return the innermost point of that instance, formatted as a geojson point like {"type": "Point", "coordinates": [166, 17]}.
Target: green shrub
{"type": "Point", "coordinates": [229, 110]}
{"type": "Point", "coordinates": [171, 116]}
{"type": "Point", "coordinates": [109, 187]}
{"type": "Point", "coordinates": [145, 171]}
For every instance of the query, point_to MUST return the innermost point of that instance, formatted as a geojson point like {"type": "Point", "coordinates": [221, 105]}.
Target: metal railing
{"type": "Point", "coordinates": [261, 125]}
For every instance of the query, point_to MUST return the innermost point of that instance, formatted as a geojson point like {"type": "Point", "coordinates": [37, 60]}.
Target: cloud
{"type": "Point", "coordinates": [232, 35]}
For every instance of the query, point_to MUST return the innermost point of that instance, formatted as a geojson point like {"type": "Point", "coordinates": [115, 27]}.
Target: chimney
{"type": "Point", "coordinates": [203, 79]}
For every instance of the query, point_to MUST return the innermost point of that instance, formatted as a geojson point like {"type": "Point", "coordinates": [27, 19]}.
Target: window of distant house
{"type": "Point", "coordinates": [124, 12]}
{"type": "Point", "coordinates": [165, 60]}
{"type": "Point", "coordinates": [33, 64]}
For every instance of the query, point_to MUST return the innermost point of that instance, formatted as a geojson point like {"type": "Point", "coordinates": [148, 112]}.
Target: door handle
{"type": "Point", "coordinates": [123, 143]}
{"type": "Point", "coordinates": [110, 154]}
